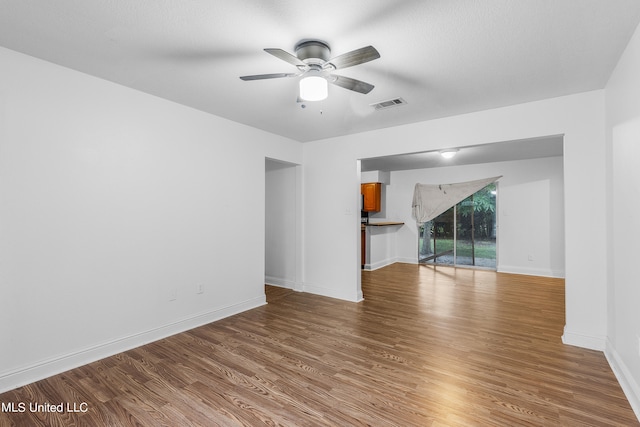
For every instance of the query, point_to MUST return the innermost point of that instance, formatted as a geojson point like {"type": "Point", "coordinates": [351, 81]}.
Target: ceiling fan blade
{"type": "Point", "coordinates": [286, 56]}
{"type": "Point", "coordinates": [268, 76]}
{"type": "Point", "coordinates": [351, 84]}
{"type": "Point", "coordinates": [355, 57]}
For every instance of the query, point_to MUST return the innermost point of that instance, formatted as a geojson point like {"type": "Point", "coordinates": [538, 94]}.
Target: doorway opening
{"type": "Point", "coordinates": [283, 225]}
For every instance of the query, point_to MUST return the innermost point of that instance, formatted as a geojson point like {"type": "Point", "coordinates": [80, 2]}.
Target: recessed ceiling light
{"type": "Point", "coordinates": [447, 154]}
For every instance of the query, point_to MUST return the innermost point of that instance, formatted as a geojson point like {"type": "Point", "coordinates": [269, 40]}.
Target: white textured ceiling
{"type": "Point", "coordinates": [444, 57]}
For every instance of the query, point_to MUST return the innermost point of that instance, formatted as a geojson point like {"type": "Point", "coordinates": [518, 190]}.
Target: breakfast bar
{"type": "Point", "coordinates": [378, 243]}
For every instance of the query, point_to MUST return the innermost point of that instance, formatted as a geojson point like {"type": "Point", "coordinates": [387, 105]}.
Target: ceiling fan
{"type": "Point", "coordinates": [315, 67]}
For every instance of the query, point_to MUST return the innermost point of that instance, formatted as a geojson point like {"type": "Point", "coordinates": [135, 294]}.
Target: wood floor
{"type": "Point", "coordinates": [429, 346]}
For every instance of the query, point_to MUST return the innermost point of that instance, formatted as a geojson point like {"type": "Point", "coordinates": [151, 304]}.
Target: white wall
{"type": "Point", "coordinates": [530, 211]}
{"type": "Point", "coordinates": [332, 188]}
{"type": "Point", "coordinates": [111, 203]}
{"type": "Point", "coordinates": [623, 144]}
{"type": "Point", "coordinates": [280, 224]}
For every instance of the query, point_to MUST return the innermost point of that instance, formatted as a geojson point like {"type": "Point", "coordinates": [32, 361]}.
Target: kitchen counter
{"type": "Point", "coordinates": [380, 224]}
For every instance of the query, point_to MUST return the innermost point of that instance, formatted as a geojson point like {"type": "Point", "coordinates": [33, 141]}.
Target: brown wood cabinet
{"type": "Point", "coordinates": [371, 192]}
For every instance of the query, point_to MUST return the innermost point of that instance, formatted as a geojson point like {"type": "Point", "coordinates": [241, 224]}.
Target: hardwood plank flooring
{"type": "Point", "coordinates": [429, 346]}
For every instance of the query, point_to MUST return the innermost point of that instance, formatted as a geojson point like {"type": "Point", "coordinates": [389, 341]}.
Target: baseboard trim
{"type": "Point", "coordinates": [542, 272]}
{"type": "Point", "coordinates": [380, 264]}
{"type": "Point", "coordinates": [584, 341]}
{"type": "Point", "coordinates": [332, 293]}
{"type": "Point", "coordinates": [47, 368]}
{"type": "Point", "coordinates": [277, 281]}
{"type": "Point", "coordinates": [628, 384]}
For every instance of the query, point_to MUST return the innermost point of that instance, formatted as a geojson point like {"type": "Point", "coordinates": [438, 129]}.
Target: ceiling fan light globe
{"type": "Point", "coordinates": [448, 154]}
{"type": "Point", "coordinates": [313, 88]}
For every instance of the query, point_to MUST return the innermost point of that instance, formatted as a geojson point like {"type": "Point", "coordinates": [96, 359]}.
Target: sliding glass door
{"type": "Point", "coordinates": [463, 235]}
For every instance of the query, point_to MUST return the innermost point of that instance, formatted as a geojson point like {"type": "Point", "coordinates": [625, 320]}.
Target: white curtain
{"type": "Point", "coordinates": [430, 200]}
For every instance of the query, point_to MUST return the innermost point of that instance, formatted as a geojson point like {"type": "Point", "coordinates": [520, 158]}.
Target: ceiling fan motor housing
{"type": "Point", "coordinates": [313, 51]}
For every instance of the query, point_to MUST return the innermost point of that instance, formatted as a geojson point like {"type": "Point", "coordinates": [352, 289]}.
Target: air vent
{"type": "Point", "coordinates": [389, 104]}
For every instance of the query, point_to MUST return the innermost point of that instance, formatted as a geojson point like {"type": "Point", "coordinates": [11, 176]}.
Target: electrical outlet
{"type": "Point", "coordinates": [200, 288]}
{"type": "Point", "coordinates": [530, 257]}
{"type": "Point", "coordinates": [173, 294]}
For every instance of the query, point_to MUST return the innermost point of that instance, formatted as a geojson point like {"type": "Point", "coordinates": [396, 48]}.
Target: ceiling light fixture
{"type": "Point", "coordinates": [313, 88]}
{"type": "Point", "coordinates": [447, 154]}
